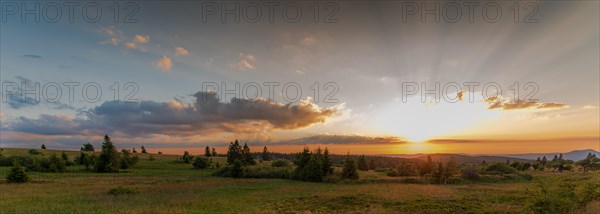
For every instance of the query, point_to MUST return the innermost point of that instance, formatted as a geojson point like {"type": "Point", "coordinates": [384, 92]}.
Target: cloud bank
{"type": "Point", "coordinates": [205, 116]}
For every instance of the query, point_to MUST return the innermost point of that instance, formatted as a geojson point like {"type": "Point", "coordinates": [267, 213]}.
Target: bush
{"type": "Point", "coordinates": [392, 173]}
{"type": "Point", "coordinates": [260, 171]}
{"type": "Point", "coordinates": [469, 173]}
{"type": "Point", "coordinates": [34, 152]}
{"type": "Point", "coordinates": [235, 170]}
{"type": "Point", "coordinates": [52, 164]}
{"type": "Point", "coordinates": [24, 161]}
{"type": "Point", "coordinates": [332, 178]}
{"type": "Point", "coordinates": [122, 191]}
{"type": "Point", "coordinates": [280, 163]}
{"type": "Point", "coordinates": [65, 157]}
{"type": "Point", "coordinates": [200, 163]}
{"type": "Point", "coordinates": [499, 168]}
{"type": "Point", "coordinates": [128, 160]}
{"type": "Point", "coordinates": [151, 158]}
{"type": "Point", "coordinates": [267, 172]}
{"type": "Point", "coordinates": [187, 158]}
{"type": "Point", "coordinates": [17, 174]}
{"type": "Point", "coordinates": [86, 160]}
{"type": "Point", "coordinates": [548, 198]}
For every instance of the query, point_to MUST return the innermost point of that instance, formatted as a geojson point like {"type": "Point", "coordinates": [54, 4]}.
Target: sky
{"type": "Point", "coordinates": [364, 77]}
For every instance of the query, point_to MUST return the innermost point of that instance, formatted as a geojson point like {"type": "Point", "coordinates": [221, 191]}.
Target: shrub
{"type": "Point", "coordinates": [151, 158]}
{"type": "Point", "coordinates": [17, 174]}
{"type": "Point", "coordinates": [200, 163]}
{"type": "Point", "coordinates": [280, 163]}
{"type": "Point", "coordinates": [234, 170]}
{"type": "Point", "coordinates": [332, 178]}
{"type": "Point", "coordinates": [267, 172]}
{"type": "Point", "coordinates": [499, 168]}
{"type": "Point", "coordinates": [24, 161]}
{"type": "Point", "coordinates": [547, 198]}
{"type": "Point", "coordinates": [392, 173]}
{"type": "Point", "coordinates": [52, 164]}
{"type": "Point", "coordinates": [122, 191]}
{"type": "Point", "coordinates": [260, 171]}
{"type": "Point", "coordinates": [187, 158]}
{"type": "Point", "coordinates": [65, 157]}
{"type": "Point", "coordinates": [86, 160]}
{"type": "Point", "coordinates": [128, 160]}
{"type": "Point", "coordinates": [469, 173]}
{"type": "Point", "coordinates": [34, 152]}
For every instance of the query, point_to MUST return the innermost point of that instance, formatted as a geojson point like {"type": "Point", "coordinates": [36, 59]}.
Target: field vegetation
{"type": "Point", "coordinates": [313, 181]}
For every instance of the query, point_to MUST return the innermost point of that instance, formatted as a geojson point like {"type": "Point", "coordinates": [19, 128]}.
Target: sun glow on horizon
{"type": "Point", "coordinates": [420, 121]}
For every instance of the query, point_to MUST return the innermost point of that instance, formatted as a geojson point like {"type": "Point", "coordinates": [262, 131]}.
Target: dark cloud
{"type": "Point", "coordinates": [206, 114]}
{"type": "Point", "coordinates": [497, 103]}
{"type": "Point", "coordinates": [342, 139]}
{"type": "Point", "coordinates": [31, 56]}
{"type": "Point", "coordinates": [17, 100]}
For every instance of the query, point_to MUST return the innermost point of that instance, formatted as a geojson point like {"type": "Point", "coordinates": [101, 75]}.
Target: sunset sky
{"type": "Point", "coordinates": [360, 64]}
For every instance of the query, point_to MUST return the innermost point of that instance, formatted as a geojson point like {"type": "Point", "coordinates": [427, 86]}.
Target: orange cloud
{"type": "Point", "coordinates": [141, 39]}
{"type": "Point", "coordinates": [179, 51]}
{"type": "Point", "coordinates": [246, 62]}
{"type": "Point", "coordinates": [496, 102]}
{"type": "Point", "coordinates": [163, 63]}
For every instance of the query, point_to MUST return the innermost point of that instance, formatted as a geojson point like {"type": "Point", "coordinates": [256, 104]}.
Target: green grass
{"type": "Point", "coordinates": [164, 186]}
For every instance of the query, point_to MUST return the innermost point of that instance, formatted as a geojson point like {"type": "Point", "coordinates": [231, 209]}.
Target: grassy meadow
{"type": "Point", "coordinates": [164, 185]}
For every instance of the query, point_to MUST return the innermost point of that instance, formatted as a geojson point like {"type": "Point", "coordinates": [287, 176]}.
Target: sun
{"type": "Point", "coordinates": [419, 121]}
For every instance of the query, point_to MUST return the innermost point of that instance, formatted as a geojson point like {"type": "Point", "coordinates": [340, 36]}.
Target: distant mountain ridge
{"type": "Point", "coordinates": [461, 158]}
{"type": "Point", "coordinates": [490, 158]}
{"type": "Point", "coordinates": [572, 155]}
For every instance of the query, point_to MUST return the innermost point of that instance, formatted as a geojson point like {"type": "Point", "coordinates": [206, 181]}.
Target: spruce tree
{"type": "Point", "coordinates": [266, 156]}
{"type": "Point", "coordinates": [43, 146]}
{"type": "Point", "coordinates": [349, 170]}
{"type": "Point", "coordinates": [214, 152]}
{"type": "Point", "coordinates": [108, 161]}
{"type": "Point", "coordinates": [362, 163]}
{"type": "Point", "coordinates": [234, 152]}
{"type": "Point", "coordinates": [207, 151]}
{"type": "Point", "coordinates": [327, 164]}
{"type": "Point", "coordinates": [144, 150]}
{"type": "Point", "coordinates": [247, 155]}
{"type": "Point", "coordinates": [313, 170]}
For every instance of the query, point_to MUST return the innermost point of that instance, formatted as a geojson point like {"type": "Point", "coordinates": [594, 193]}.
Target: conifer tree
{"type": "Point", "coordinates": [234, 152]}
{"type": "Point", "coordinates": [362, 163]}
{"type": "Point", "coordinates": [327, 164]}
{"type": "Point", "coordinates": [349, 170]}
{"type": "Point", "coordinates": [247, 155]}
{"type": "Point", "coordinates": [207, 152]}
{"type": "Point", "coordinates": [144, 150]}
{"type": "Point", "coordinates": [214, 152]}
{"type": "Point", "coordinates": [266, 156]}
{"type": "Point", "coordinates": [108, 161]}
{"type": "Point", "coordinates": [43, 146]}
